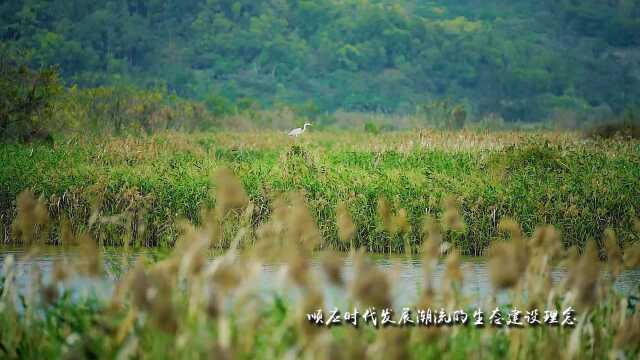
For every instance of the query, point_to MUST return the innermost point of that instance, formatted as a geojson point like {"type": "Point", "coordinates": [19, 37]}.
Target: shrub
{"type": "Point", "coordinates": [627, 129]}
{"type": "Point", "coordinates": [371, 128]}
{"type": "Point", "coordinates": [26, 100]}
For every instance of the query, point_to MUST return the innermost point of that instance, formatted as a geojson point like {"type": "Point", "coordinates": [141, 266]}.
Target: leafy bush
{"type": "Point", "coordinates": [371, 128]}
{"type": "Point", "coordinates": [610, 130]}
{"type": "Point", "coordinates": [444, 114]}
{"type": "Point", "coordinates": [219, 104]}
{"type": "Point", "coordinates": [26, 99]}
{"type": "Point", "coordinates": [626, 126]}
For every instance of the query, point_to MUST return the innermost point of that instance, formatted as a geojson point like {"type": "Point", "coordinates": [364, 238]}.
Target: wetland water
{"type": "Point", "coordinates": [405, 273]}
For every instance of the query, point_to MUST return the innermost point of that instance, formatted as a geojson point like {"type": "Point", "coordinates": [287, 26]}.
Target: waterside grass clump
{"type": "Point", "coordinates": [135, 190]}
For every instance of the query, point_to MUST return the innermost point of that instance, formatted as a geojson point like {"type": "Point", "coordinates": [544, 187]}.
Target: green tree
{"type": "Point", "coordinates": [26, 99]}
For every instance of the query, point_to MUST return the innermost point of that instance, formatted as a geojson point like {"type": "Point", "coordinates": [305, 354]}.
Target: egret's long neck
{"type": "Point", "coordinates": [305, 127]}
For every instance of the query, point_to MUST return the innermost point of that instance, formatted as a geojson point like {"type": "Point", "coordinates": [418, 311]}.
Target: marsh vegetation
{"type": "Point", "coordinates": [182, 305]}
{"type": "Point", "coordinates": [347, 199]}
{"type": "Point", "coordinates": [145, 143]}
{"type": "Point", "coordinates": [134, 191]}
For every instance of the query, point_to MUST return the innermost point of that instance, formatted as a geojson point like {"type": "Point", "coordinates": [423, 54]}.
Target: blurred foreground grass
{"type": "Point", "coordinates": [189, 308]}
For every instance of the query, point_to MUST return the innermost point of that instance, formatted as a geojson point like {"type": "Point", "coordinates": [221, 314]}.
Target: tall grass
{"type": "Point", "coordinates": [187, 307]}
{"type": "Point", "coordinates": [134, 190]}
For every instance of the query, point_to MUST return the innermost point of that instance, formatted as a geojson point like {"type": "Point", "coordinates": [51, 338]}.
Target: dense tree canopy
{"type": "Point", "coordinates": [524, 60]}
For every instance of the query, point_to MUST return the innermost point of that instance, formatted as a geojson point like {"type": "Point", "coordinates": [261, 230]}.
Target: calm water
{"type": "Point", "coordinates": [405, 272]}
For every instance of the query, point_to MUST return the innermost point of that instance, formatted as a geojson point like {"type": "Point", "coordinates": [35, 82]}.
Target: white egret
{"type": "Point", "coordinates": [298, 131]}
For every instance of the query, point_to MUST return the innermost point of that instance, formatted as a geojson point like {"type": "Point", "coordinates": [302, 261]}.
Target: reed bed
{"type": "Point", "coordinates": [134, 191]}
{"type": "Point", "coordinates": [187, 307]}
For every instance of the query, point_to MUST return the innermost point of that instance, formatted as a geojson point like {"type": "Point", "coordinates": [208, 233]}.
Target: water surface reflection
{"type": "Point", "coordinates": [405, 272]}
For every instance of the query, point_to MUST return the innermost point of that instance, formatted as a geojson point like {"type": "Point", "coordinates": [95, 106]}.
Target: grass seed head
{"type": "Point", "coordinates": [66, 232]}
{"type": "Point", "coordinates": [451, 217]}
{"type": "Point", "coordinates": [138, 283]}
{"type": "Point", "coordinates": [49, 293]}
{"type": "Point", "coordinates": [401, 223]}
{"type": "Point", "coordinates": [614, 253]}
{"type": "Point", "coordinates": [60, 271]}
{"type": "Point", "coordinates": [332, 266]}
{"type": "Point", "coordinates": [583, 278]}
{"type": "Point", "coordinates": [213, 306]}
{"type": "Point", "coordinates": [31, 220]}
{"type": "Point", "coordinates": [628, 333]}
{"type": "Point", "coordinates": [230, 194]}
{"type": "Point", "coordinates": [632, 256]}
{"type": "Point", "coordinates": [298, 268]}
{"type": "Point", "coordinates": [191, 249]}
{"type": "Point", "coordinates": [370, 286]}
{"type": "Point", "coordinates": [511, 227]}
{"type": "Point", "coordinates": [505, 266]}
{"type": "Point", "coordinates": [346, 227]}
{"type": "Point", "coordinates": [391, 343]}
{"type": "Point", "coordinates": [384, 212]}
{"type": "Point", "coordinates": [227, 274]}
{"type": "Point", "coordinates": [301, 229]}
{"type": "Point", "coordinates": [546, 239]}
{"type": "Point", "coordinates": [453, 274]}
{"type": "Point", "coordinates": [152, 291]}
{"type": "Point", "coordinates": [431, 246]}
{"type": "Point", "coordinates": [90, 257]}
{"type": "Point", "coordinates": [312, 301]}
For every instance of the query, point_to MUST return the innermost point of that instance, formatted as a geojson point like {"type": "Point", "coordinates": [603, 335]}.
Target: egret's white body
{"type": "Point", "coordinates": [298, 131]}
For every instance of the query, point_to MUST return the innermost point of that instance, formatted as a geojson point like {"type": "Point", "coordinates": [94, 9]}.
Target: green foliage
{"type": "Point", "coordinates": [359, 56]}
{"type": "Point", "coordinates": [624, 129]}
{"type": "Point", "coordinates": [443, 114]}
{"type": "Point", "coordinates": [26, 99]}
{"type": "Point", "coordinates": [308, 110]}
{"type": "Point", "coordinates": [371, 128]}
{"type": "Point", "coordinates": [162, 177]}
{"type": "Point", "coordinates": [124, 110]}
{"type": "Point", "coordinates": [458, 117]}
{"type": "Point", "coordinates": [218, 104]}
{"type": "Point", "coordinates": [627, 125]}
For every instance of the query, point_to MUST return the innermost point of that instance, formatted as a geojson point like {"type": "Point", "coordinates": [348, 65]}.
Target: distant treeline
{"type": "Point", "coordinates": [34, 104]}
{"type": "Point", "coordinates": [520, 60]}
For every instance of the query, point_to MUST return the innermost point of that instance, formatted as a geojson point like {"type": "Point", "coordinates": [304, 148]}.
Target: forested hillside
{"type": "Point", "coordinates": [523, 60]}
